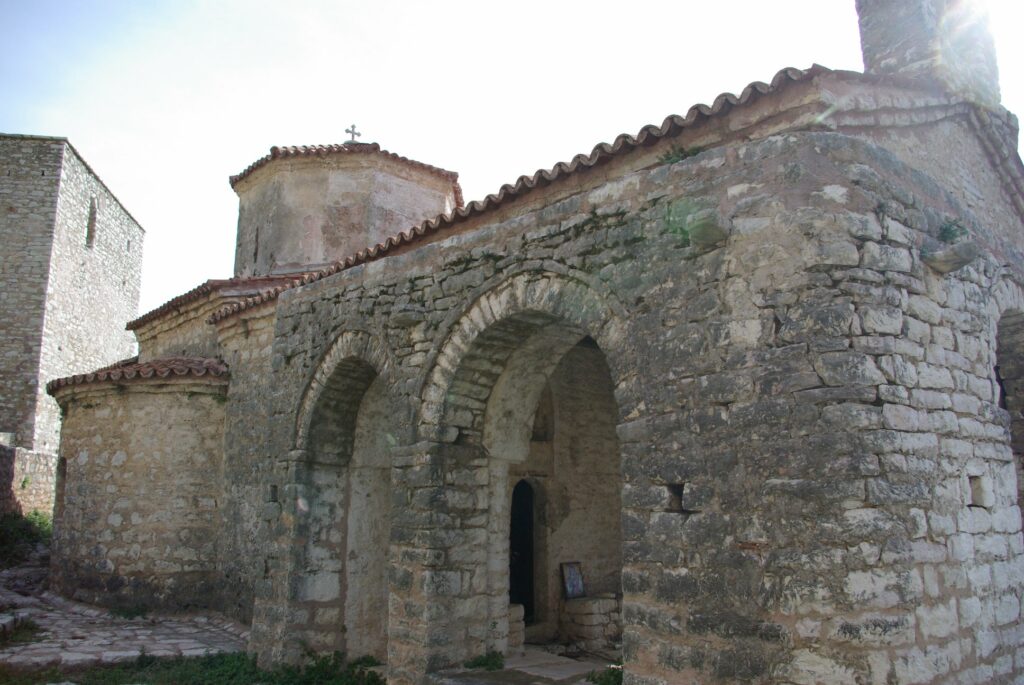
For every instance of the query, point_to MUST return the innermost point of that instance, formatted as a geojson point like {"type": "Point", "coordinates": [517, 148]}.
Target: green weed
{"type": "Point", "coordinates": [491, 661]}
{"type": "Point", "coordinates": [678, 153]}
{"type": "Point", "coordinates": [609, 676]}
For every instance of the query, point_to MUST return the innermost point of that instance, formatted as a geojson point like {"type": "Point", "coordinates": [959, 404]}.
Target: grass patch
{"type": "Point", "coordinates": [19, 534]}
{"type": "Point", "coordinates": [219, 669]}
{"type": "Point", "coordinates": [609, 676]}
{"type": "Point", "coordinates": [27, 631]}
{"type": "Point", "coordinates": [491, 661]}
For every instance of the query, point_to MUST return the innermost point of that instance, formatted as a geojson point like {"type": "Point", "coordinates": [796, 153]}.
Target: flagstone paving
{"type": "Point", "coordinates": [535, 666]}
{"type": "Point", "coordinates": [75, 634]}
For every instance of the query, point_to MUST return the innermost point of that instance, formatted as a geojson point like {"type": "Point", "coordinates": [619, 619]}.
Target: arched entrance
{"type": "Point", "coordinates": [534, 399]}
{"type": "Point", "coordinates": [343, 569]}
{"type": "Point", "coordinates": [520, 553]}
{"type": "Point", "coordinates": [571, 467]}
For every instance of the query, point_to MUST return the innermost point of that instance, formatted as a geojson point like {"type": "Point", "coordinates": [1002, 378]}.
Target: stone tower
{"type": "Point", "coordinates": [70, 268]}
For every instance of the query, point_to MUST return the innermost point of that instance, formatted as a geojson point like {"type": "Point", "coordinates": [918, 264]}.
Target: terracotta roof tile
{"type": "Point", "coordinates": [131, 369]}
{"type": "Point", "coordinates": [254, 283]}
{"type": "Point", "coordinates": [349, 148]}
{"type": "Point", "coordinates": [671, 127]}
{"type": "Point", "coordinates": [623, 144]}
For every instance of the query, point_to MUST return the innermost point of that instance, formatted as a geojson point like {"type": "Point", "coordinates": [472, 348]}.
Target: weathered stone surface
{"type": "Point", "coordinates": [783, 449]}
{"type": "Point", "coordinates": [70, 272]}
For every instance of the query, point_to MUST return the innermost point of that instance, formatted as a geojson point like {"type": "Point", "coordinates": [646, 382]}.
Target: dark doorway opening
{"type": "Point", "coordinates": [520, 554]}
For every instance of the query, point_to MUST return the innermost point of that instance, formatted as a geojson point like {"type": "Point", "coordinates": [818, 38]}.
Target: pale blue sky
{"type": "Point", "coordinates": [167, 99]}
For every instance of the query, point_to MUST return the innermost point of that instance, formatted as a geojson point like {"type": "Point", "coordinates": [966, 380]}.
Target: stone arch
{"type": "Point", "coordinates": [334, 592]}
{"type": "Point", "coordinates": [348, 356]}
{"type": "Point", "coordinates": [557, 307]}
{"type": "Point", "coordinates": [479, 403]}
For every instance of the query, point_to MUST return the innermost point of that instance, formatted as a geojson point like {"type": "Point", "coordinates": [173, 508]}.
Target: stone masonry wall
{"type": "Point", "coordinates": [93, 289]}
{"type": "Point", "coordinates": [806, 416]}
{"type": "Point", "coordinates": [63, 302]}
{"type": "Point", "coordinates": [29, 177]}
{"type": "Point", "coordinates": [142, 501]}
{"type": "Point", "coordinates": [181, 335]}
{"type": "Point", "coordinates": [248, 473]}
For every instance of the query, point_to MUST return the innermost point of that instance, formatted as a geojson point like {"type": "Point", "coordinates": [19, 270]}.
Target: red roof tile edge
{"type": "Point", "coordinates": [277, 152]}
{"type": "Point", "coordinates": [205, 288]}
{"type": "Point", "coordinates": [131, 369]}
{"type": "Point", "coordinates": [672, 126]}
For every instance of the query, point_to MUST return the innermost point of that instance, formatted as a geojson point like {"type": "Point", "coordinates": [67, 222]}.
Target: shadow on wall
{"type": "Point", "coordinates": [8, 501]}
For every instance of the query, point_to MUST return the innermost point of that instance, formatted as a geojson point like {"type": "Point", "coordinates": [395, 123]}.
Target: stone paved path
{"type": "Point", "coordinates": [536, 666]}
{"type": "Point", "coordinates": [75, 634]}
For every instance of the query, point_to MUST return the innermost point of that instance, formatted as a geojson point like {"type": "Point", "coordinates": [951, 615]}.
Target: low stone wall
{"type": "Point", "coordinates": [35, 477]}
{"type": "Point", "coordinates": [593, 624]}
{"type": "Point", "coordinates": [27, 480]}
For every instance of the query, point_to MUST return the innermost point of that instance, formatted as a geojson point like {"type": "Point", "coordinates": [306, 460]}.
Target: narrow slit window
{"type": "Point", "coordinates": [90, 227]}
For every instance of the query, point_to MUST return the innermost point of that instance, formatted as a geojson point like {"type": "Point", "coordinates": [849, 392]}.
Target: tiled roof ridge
{"type": "Point", "coordinates": [204, 288]}
{"type": "Point", "coordinates": [157, 368]}
{"type": "Point", "coordinates": [672, 126]}
{"type": "Point", "coordinates": [280, 152]}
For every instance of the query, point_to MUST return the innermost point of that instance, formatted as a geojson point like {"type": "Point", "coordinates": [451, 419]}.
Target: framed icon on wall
{"type": "Point", "coordinates": [572, 580]}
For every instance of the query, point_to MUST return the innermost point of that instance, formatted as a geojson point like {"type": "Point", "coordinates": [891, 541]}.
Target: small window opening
{"type": "Point", "coordinates": [980, 494]}
{"type": "Point", "coordinates": [273, 493]}
{"type": "Point", "coordinates": [128, 245]}
{"type": "Point", "coordinates": [90, 228]}
{"type": "Point", "coordinates": [677, 499]}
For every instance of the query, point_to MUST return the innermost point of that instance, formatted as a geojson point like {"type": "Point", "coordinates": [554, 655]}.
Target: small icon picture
{"type": "Point", "coordinates": [572, 580]}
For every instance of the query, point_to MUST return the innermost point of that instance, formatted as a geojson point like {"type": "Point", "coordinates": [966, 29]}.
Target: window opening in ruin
{"type": "Point", "coordinates": [520, 556]}
{"type": "Point", "coordinates": [90, 228]}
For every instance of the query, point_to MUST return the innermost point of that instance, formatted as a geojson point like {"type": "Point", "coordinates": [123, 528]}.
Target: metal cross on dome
{"type": "Point", "coordinates": [353, 132]}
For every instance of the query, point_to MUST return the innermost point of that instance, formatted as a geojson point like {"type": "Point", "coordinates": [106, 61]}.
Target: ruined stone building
{"type": "Point", "coordinates": [757, 370]}
{"type": "Point", "coordinates": [70, 268]}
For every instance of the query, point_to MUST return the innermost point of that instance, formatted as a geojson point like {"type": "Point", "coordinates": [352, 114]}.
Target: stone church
{"type": "Point", "coordinates": [755, 374]}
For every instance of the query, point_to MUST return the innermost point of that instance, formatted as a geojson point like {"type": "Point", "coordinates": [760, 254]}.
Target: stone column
{"type": "Point", "coordinates": [278, 620]}
{"type": "Point", "coordinates": [438, 584]}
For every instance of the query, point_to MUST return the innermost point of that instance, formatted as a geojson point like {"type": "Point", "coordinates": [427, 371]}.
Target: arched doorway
{"type": "Point", "coordinates": [342, 584]}
{"type": "Point", "coordinates": [520, 550]}
{"type": "Point", "coordinates": [571, 465]}
{"type": "Point", "coordinates": [478, 423]}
